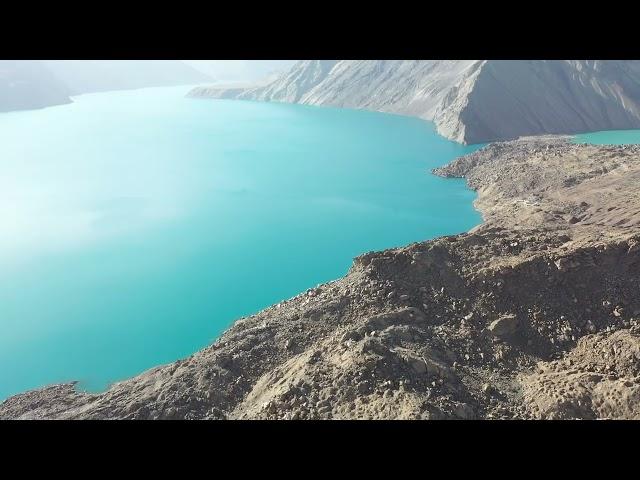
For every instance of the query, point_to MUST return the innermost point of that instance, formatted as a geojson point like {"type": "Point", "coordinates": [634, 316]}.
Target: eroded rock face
{"type": "Point", "coordinates": [529, 315]}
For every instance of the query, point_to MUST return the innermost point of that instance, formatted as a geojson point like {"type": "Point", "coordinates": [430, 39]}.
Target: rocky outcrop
{"type": "Point", "coordinates": [470, 101]}
{"type": "Point", "coordinates": [530, 315]}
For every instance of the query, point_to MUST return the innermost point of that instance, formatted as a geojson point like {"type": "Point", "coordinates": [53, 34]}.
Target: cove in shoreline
{"type": "Point", "coordinates": [138, 225]}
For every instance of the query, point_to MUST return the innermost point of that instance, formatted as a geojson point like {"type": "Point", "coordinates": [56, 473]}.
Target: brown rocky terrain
{"type": "Point", "coordinates": [533, 314]}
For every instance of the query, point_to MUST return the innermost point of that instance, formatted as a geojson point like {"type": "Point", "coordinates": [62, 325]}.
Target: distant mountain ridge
{"type": "Point", "coordinates": [470, 101]}
{"type": "Point", "coordinates": [28, 84]}
{"type": "Point", "coordinates": [88, 76]}
{"type": "Point", "coordinates": [31, 84]}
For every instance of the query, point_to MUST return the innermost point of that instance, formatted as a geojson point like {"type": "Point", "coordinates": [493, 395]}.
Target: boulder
{"type": "Point", "coordinates": [504, 327]}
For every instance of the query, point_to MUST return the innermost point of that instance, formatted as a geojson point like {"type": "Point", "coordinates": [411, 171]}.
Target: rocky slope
{"type": "Point", "coordinates": [533, 314]}
{"type": "Point", "coordinates": [28, 84]}
{"type": "Point", "coordinates": [291, 86]}
{"type": "Point", "coordinates": [470, 101]}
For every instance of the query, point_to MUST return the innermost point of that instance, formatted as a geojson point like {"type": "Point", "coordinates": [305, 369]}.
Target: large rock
{"type": "Point", "coordinates": [504, 327]}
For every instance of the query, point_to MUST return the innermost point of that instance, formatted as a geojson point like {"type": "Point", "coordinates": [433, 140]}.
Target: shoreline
{"type": "Point", "coordinates": [418, 225]}
{"type": "Point", "coordinates": [474, 325]}
{"type": "Point", "coordinates": [208, 92]}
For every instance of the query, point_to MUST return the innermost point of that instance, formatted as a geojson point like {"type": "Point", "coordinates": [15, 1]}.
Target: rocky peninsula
{"type": "Point", "coordinates": [534, 314]}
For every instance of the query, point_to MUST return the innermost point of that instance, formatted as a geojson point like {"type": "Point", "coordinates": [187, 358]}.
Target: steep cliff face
{"type": "Point", "coordinates": [410, 87]}
{"type": "Point", "coordinates": [28, 84]}
{"type": "Point", "coordinates": [507, 99]}
{"type": "Point", "coordinates": [470, 101]}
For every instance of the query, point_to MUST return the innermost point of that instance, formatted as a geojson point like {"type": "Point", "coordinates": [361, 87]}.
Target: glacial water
{"type": "Point", "coordinates": [609, 137]}
{"type": "Point", "coordinates": [136, 226]}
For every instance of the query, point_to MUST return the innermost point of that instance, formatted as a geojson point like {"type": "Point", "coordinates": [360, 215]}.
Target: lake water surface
{"type": "Point", "coordinates": [136, 226]}
{"type": "Point", "coordinates": [610, 137]}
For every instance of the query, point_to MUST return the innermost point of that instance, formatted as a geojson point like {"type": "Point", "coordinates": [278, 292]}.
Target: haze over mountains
{"type": "Point", "coordinates": [242, 71]}
{"type": "Point", "coordinates": [470, 101]}
{"type": "Point", "coordinates": [29, 84]}
{"type": "Point", "coordinates": [85, 76]}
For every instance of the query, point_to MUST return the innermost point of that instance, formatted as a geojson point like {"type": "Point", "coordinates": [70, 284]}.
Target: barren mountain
{"type": "Point", "coordinates": [470, 101]}
{"type": "Point", "coordinates": [533, 314]}
{"type": "Point", "coordinates": [29, 84]}
{"type": "Point", "coordinates": [87, 76]}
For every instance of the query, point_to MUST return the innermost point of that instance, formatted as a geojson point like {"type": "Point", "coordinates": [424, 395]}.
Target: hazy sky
{"type": "Point", "coordinates": [240, 70]}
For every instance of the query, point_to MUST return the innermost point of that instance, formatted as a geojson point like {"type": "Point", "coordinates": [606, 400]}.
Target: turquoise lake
{"type": "Point", "coordinates": [610, 137]}
{"type": "Point", "coordinates": [135, 226]}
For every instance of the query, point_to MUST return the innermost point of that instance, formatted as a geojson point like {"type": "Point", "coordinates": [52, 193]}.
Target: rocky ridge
{"type": "Point", "coordinates": [533, 314]}
{"type": "Point", "coordinates": [470, 101]}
